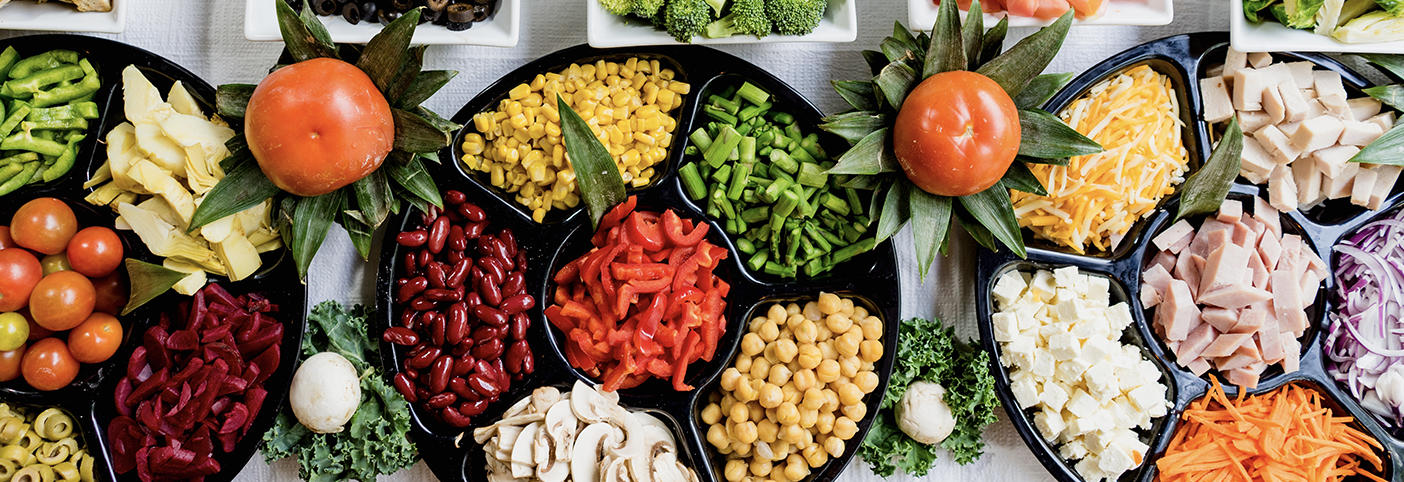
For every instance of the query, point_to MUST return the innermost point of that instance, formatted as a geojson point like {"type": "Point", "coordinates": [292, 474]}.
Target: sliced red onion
{"type": "Point", "coordinates": [1363, 347]}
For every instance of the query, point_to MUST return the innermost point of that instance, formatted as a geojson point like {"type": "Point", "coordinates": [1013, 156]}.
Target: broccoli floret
{"type": "Point", "coordinates": [717, 6]}
{"type": "Point", "coordinates": [618, 7]}
{"type": "Point", "coordinates": [647, 8]}
{"type": "Point", "coordinates": [795, 17]}
{"type": "Point", "coordinates": [686, 19]}
{"type": "Point", "coordinates": [747, 17]}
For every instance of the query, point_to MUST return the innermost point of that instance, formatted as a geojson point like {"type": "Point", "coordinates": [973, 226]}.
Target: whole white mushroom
{"type": "Point", "coordinates": [325, 392]}
{"type": "Point", "coordinates": [922, 413]}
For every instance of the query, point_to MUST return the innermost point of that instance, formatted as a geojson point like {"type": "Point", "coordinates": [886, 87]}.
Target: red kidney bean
{"type": "Point", "coordinates": [499, 251]}
{"type": "Point", "coordinates": [459, 386]}
{"type": "Point", "coordinates": [405, 386]}
{"type": "Point", "coordinates": [454, 198]}
{"type": "Point", "coordinates": [456, 240]}
{"type": "Point", "coordinates": [463, 365]}
{"type": "Point", "coordinates": [517, 304]}
{"type": "Point", "coordinates": [473, 409]}
{"type": "Point", "coordinates": [521, 259]}
{"type": "Point", "coordinates": [454, 257]}
{"type": "Point", "coordinates": [482, 334]}
{"type": "Point", "coordinates": [440, 294]}
{"type": "Point", "coordinates": [472, 299]}
{"type": "Point", "coordinates": [514, 284]}
{"type": "Point", "coordinates": [438, 234]}
{"type": "Point", "coordinates": [421, 304]}
{"type": "Point", "coordinates": [489, 349]}
{"type": "Point", "coordinates": [411, 264]}
{"type": "Point", "coordinates": [463, 347]}
{"type": "Point", "coordinates": [412, 287]}
{"type": "Point", "coordinates": [401, 282]}
{"type": "Point", "coordinates": [472, 212]}
{"type": "Point", "coordinates": [474, 231]}
{"type": "Point", "coordinates": [512, 359]}
{"type": "Point", "coordinates": [407, 318]}
{"type": "Point", "coordinates": [436, 275]}
{"type": "Point", "coordinates": [401, 336]}
{"type": "Point", "coordinates": [492, 268]}
{"type": "Point", "coordinates": [518, 328]}
{"type": "Point", "coordinates": [424, 358]}
{"type": "Point", "coordinates": [484, 385]}
{"type": "Point", "coordinates": [412, 239]}
{"type": "Point", "coordinates": [423, 258]}
{"type": "Point", "coordinates": [504, 380]}
{"type": "Point", "coordinates": [422, 393]}
{"type": "Point", "coordinates": [436, 330]}
{"type": "Point", "coordinates": [509, 240]}
{"type": "Point", "coordinates": [457, 419]}
{"type": "Point", "coordinates": [442, 400]}
{"type": "Point", "coordinates": [429, 216]}
{"type": "Point", "coordinates": [528, 361]}
{"type": "Point", "coordinates": [491, 294]}
{"type": "Point", "coordinates": [490, 315]}
{"type": "Point", "coordinates": [408, 367]}
{"type": "Point", "coordinates": [456, 324]}
{"type": "Point", "coordinates": [459, 273]}
{"type": "Point", "coordinates": [440, 373]}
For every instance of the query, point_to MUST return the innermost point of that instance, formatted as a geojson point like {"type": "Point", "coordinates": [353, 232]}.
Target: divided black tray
{"type": "Point", "coordinates": [872, 278]}
{"type": "Point", "coordinates": [89, 398]}
{"type": "Point", "coordinates": [1185, 59]}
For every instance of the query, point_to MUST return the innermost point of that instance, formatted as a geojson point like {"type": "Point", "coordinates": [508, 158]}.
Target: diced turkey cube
{"type": "Point", "coordinates": [1264, 213]}
{"type": "Point", "coordinates": [1234, 297]}
{"type": "Point", "coordinates": [1301, 73]}
{"type": "Point", "coordinates": [1235, 361]}
{"type": "Point", "coordinates": [1384, 184]}
{"type": "Point", "coordinates": [1230, 211]}
{"type": "Point", "coordinates": [1359, 133]}
{"type": "Point", "coordinates": [1211, 234]}
{"type": "Point", "coordinates": [1363, 108]}
{"type": "Point", "coordinates": [1253, 121]}
{"type": "Point", "coordinates": [1221, 319]}
{"type": "Point", "coordinates": [1218, 106]}
{"type": "Point", "coordinates": [1318, 133]}
{"type": "Point", "coordinates": [1331, 92]}
{"type": "Point", "coordinates": [1295, 104]}
{"type": "Point", "coordinates": [1234, 61]}
{"type": "Point", "coordinates": [1215, 71]}
{"type": "Point", "coordinates": [1283, 150]}
{"type": "Point", "coordinates": [1364, 187]}
{"type": "Point", "coordinates": [1225, 344]}
{"type": "Point", "coordinates": [1186, 269]}
{"type": "Point", "coordinates": [1257, 162]}
{"type": "Point", "coordinates": [1249, 321]}
{"type": "Point", "coordinates": [1178, 312]}
{"type": "Point", "coordinates": [1308, 180]}
{"type": "Point", "coordinates": [1173, 235]}
{"type": "Point", "coordinates": [1248, 85]}
{"type": "Point", "coordinates": [1198, 366]}
{"type": "Point", "coordinates": [1289, 128]}
{"type": "Point", "coordinates": [1316, 109]}
{"type": "Point", "coordinates": [1340, 185]}
{"type": "Point", "coordinates": [1332, 160]}
{"type": "Point", "coordinates": [1273, 104]}
{"type": "Point", "coordinates": [1282, 189]}
{"type": "Point", "coordinates": [1158, 279]}
{"type": "Point", "coordinates": [1385, 120]}
{"type": "Point", "coordinates": [1259, 59]}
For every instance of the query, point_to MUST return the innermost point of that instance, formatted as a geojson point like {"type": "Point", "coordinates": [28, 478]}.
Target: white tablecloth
{"type": "Point", "coordinates": [206, 36]}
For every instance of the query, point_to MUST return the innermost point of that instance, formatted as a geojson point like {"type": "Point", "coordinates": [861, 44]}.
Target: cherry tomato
{"type": "Point", "coordinates": [19, 272]}
{"type": "Point", "coordinates": [44, 225]}
{"type": "Point", "coordinates": [10, 363]}
{"type": "Point", "coordinates": [96, 339]}
{"type": "Point", "coordinates": [112, 293]}
{"type": "Point", "coordinates": [35, 331]}
{"type": "Point", "coordinates": [48, 365]}
{"type": "Point", "coordinates": [956, 134]}
{"type": "Point", "coordinates": [62, 300]}
{"type": "Point", "coordinates": [14, 331]}
{"type": "Point", "coordinates": [95, 251]}
{"type": "Point", "coordinates": [5, 240]}
{"type": "Point", "coordinates": [54, 263]}
{"type": "Point", "coordinates": [318, 125]}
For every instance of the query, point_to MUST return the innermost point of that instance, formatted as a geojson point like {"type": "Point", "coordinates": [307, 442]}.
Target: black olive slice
{"type": "Point", "coordinates": [459, 13]}
{"type": "Point", "coordinates": [352, 13]}
{"type": "Point", "coordinates": [386, 15]}
{"type": "Point", "coordinates": [481, 12]}
{"type": "Point", "coordinates": [402, 5]}
{"type": "Point", "coordinates": [325, 7]}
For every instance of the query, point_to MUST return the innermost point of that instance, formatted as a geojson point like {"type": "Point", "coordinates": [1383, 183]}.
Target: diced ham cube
{"type": "Point", "coordinates": [1224, 267]}
{"type": "Point", "coordinates": [1340, 185]}
{"type": "Point", "coordinates": [1234, 297]}
{"type": "Point", "coordinates": [1260, 273]}
{"type": "Point", "coordinates": [1331, 92]}
{"type": "Point", "coordinates": [1165, 260]}
{"type": "Point", "coordinates": [1198, 366]}
{"type": "Point", "coordinates": [1225, 345]}
{"type": "Point", "coordinates": [1194, 344]}
{"type": "Point", "coordinates": [1250, 350]}
{"type": "Point", "coordinates": [1315, 265]}
{"type": "Point", "coordinates": [1173, 235]}
{"type": "Point", "coordinates": [1248, 87]}
{"type": "Point", "coordinates": [1158, 278]}
{"type": "Point", "coordinates": [1364, 187]}
{"type": "Point", "coordinates": [1292, 349]}
{"type": "Point", "coordinates": [1234, 361]}
{"type": "Point", "coordinates": [1243, 377]}
{"type": "Point", "coordinates": [1359, 133]}
{"type": "Point", "coordinates": [1245, 237]}
{"type": "Point", "coordinates": [1218, 106]}
{"type": "Point", "coordinates": [1178, 312]}
{"type": "Point", "coordinates": [1264, 213]}
{"type": "Point", "coordinates": [1257, 162]}
{"type": "Point", "coordinates": [1210, 235]}
{"type": "Point", "coordinates": [1311, 282]}
{"type": "Point", "coordinates": [1221, 319]}
{"type": "Point", "coordinates": [1270, 249]}
{"type": "Point", "coordinates": [1318, 133]}
{"type": "Point", "coordinates": [1229, 211]}
{"type": "Point", "coordinates": [1282, 189]}
{"type": "Point", "coordinates": [1384, 184]}
{"type": "Point", "coordinates": [1246, 219]}
{"type": "Point", "coordinates": [1363, 108]}
{"type": "Point", "coordinates": [1291, 257]}
{"type": "Point", "coordinates": [1249, 321]}
{"type": "Point", "coordinates": [1149, 297]}
{"type": "Point", "coordinates": [1269, 343]}
{"type": "Point", "coordinates": [1287, 301]}
{"type": "Point", "coordinates": [1332, 160]}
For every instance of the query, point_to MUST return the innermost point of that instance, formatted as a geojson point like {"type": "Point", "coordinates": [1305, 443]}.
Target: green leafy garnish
{"type": "Point", "coordinates": [601, 186]}
{"type": "Point", "coordinates": [1204, 191]}
{"type": "Point", "coordinates": [147, 282]}
{"type": "Point", "coordinates": [928, 351]}
{"type": "Point", "coordinates": [375, 441]}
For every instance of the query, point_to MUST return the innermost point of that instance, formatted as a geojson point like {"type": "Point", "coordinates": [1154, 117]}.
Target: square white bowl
{"type": "Point", "coordinates": [1274, 37]}
{"type": "Point", "coordinates": [499, 30]}
{"type": "Point", "coordinates": [27, 15]}
{"type": "Point", "coordinates": [921, 14]}
{"type": "Point", "coordinates": [840, 24]}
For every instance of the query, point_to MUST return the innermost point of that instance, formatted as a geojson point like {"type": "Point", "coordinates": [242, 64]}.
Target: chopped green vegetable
{"type": "Point", "coordinates": [931, 352]}
{"type": "Point", "coordinates": [29, 128]}
{"type": "Point", "coordinates": [375, 442]}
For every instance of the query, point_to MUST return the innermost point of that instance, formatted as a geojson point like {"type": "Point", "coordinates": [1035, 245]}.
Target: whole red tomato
{"type": "Point", "coordinates": [96, 339]}
{"type": "Point", "coordinates": [5, 240]}
{"type": "Point", "coordinates": [48, 365]}
{"type": "Point", "coordinates": [19, 272]}
{"type": "Point", "coordinates": [35, 331]}
{"type": "Point", "coordinates": [956, 133]}
{"type": "Point", "coordinates": [10, 363]}
{"type": "Point", "coordinates": [95, 251]}
{"type": "Point", "coordinates": [318, 125]}
{"type": "Point", "coordinates": [112, 293]}
{"type": "Point", "coordinates": [44, 224]}
{"type": "Point", "coordinates": [62, 300]}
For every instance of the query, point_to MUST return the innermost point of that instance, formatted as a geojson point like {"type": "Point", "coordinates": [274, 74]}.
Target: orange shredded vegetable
{"type": "Point", "coordinates": [1282, 436]}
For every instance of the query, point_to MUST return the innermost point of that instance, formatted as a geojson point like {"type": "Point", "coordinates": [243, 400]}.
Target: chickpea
{"type": "Point", "coordinates": [809, 356]}
{"type": "Point", "coordinates": [760, 466]}
{"type": "Point", "coordinates": [848, 366]}
{"type": "Point", "coordinates": [856, 411]}
{"type": "Point", "coordinates": [770, 396]}
{"type": "Point", "coordinates": [794, 320]}
{"type": "Point", "coordinates": [725, 404]}
{"type": "Point", "coordinates": [810, 417]}
{"type": "Point", "coordinates": [828, 371]}
{"type": "Point", "coordinates": [792, 309]}
{"type": "Point", "coordinates": [735, 470]}
{"type": "Point", "coordinates": [824, 333]}
{"type": "Point", "coordinates": [831, 400]}
{"type": "Point", "coordinates": [796, 468]}
{"type": "Point", "coordinates": [751, 344]}
{"type": "Point", "coordinates": [872, 328]}
{"type": "Point", "coordinates": [847, 307]}
{"type": "Point", "coordinates": [806, 332]}
{"type": "Point", "coordinates": [743, 363]}
{"type": "Point", "coordinates": [767, 430]}
{"type": "Point", "coordinates": [867, 366]}
{"type": "Point", "coordinates": [744, 392]}
{"type": "Point", "coordinates": [791, 433]}
{"type": "Point", "coordinates": [786, 350]}
{"type": "Point", "coordinates": [786, 414]}
{"type": "Point", "coordinates": [741, 450]}
{"type": "Point", "coordinates": [845, 428]}
{"type": "Point", "coordinates": [769, 331]}
{"type": "Point", "coordinates": [776, 312]}
{"type": "Point", "coordinates": [792, 394]}
{"type": "Point", "coordinates": [850, 394]}
{"type": "Point", "coordinates": [804, 379]}
{"type": "Point", "coordinates": [847, 344]}
{"type": "Point", "coordinates": [780, 374]}
{"type": "Point", "coordinates": [825, 423]}
{"type": "Point", "coordinates": [860, 313]}
{"type": "Point", "coordinates": [738, 412]}
{"type": "Point", "coordinates": [829, 303]}
{"type": "Point", "coordinates": [782, 449]}
{"type": "Point", "coordinates": [812, 312]}
{"type": "Point", "coordinates": [755, 411]}
{"type": "Point", "coordinates": [760, 368]}
{"type": "Point", "coordinates": [716, 435]}
{"type": "Point", "coordinates": [711, 414]}
{"type": "Point", "coordinates": [744, 432]}
{"type": "Point", "coordinates": [813, 454]}
{"type": "Point", "coordinates": [813, 398]}
{"type": "Point", "coordinates": [827, 349]}
{"type": "Point", "coordinates": [870, 351]}
{"type": "Point", "coordinates": [838, 323]}
{"type": "Point", "coordinates": [769, 352]}
{"type": "Point", "coordinates": [729, 378]}
{"type": "Point", "coordinates": [866, 381]}
{"type": "Point", "coordinates": [834, 446]}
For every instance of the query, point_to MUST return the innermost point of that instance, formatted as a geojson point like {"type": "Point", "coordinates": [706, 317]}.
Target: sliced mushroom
{"type": "Point", "coordinates": [522, 420]}
{"type": "Point", "coordinates": [589, 406]}
{"type": "Point", "coordinates": [648, 419]}
{"type": "Point", "coordinates": [657, 443]}
{"type": "Point", "coordinates": [562, 426]}
{"type": "Point", "coordinates": [666, 469]}
{"type": "Point", "coordinates": [523, 464]}
{"type": "Point", "coordinates": [517, 408]}
{"type": "Point", "coordinates": [483, 434]}
{"type": "Point", "coordinates": [617, 470]}
{"type": "Point", "coordinates": [508, 439]}
{"type": "Point", "coordinates": [498, 471]}
{"type": "Point", "coordinates": [633, 442]}
{"type": "Point", "coordinates": [589, 449]}
{"type": "Point", "coordinates": [543, 398]}
{"type": "Point", "coordinates": [548, 467]}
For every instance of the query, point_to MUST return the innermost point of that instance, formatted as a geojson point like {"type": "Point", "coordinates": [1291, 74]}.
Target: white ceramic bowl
{"type": "Point", "coordinates": [840, 24]}
{"type": "Point", "coordinates": [499, 30]}
{"type": "Point", "coordinates": [1274, 37]}
{"type": "Point", "coordinates": [27, 15]}
{"type": "Point", "coordinates": [921, 14]}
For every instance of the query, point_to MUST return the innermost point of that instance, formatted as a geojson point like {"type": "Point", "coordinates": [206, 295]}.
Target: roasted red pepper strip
{"type": "Point", "coordinates": [711, 324]}
{"type": "Point", "coordinates": [644, 271]}
{"type": "Point", "coordinates": [587, 346]}
{"type": "Point", "coordinates": [561, 322]}
{"type": "Point", "coordinates": [612, 219]}
{"type": "Point", "coordinates": [680, 367]}
{"type": "Point", "coordinates": [673, 227]}
{"type": "Point", "coordinates": [644, 233]}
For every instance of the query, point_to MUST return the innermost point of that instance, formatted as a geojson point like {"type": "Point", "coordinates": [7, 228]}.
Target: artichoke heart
{"type": "Point", "coordinates": [166, 241]}
{"type": "Point", "coordinates": [181, 100]}
{"type": "Point", "coordinates": [240, 257]}
{"type": "Point", "coordinates": [141, 101]}
{"type": "Point", "coordinates": [160, 182]}
{"type": "Point", "coordinates": [197, 171]}
{"type": "Point", "coordinates": [190, 284]}
{"type": "Point", "coordinates": [160, 149]}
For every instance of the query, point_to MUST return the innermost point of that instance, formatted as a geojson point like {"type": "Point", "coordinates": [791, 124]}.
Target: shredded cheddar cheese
{"type": "Point", "coordinates": [1095, 199]}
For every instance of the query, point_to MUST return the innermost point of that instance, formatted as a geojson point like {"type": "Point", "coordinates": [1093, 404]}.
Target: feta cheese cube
{"type": "Point", "coordinates": [1098, 291]}
{"type": "Point", "coordinates": [1073, 450]}
{"type": "Point", "coordinates": [1129, 378]}
{"type": "Point", "coordinates": [1044, 364]}
{"type": "Point", "coordinates": [1081, 425]}
{"type": "Point", "coordinates": [1009, 288]}
{"type": "Point", "coordinates": [1043, 285]}
{"type": "Point", "coordinates": [1101, 381]}
{"type": "Point", "coordinates": [1021, 352]}
{"type": "Point", "coordinates": [1006, 326]}
{"type": "Point", "coordinates": [1070, 372]}
{"type": "Point", "coordinates": [1027, 317]}
{"type": "Point", "coordinates": [1082, 404]}
{"type": "Point", "coordinates": [1090, 470]}
{"type": "Point", "coordinates": [1065, 277]}
{"type": "Point", "coordinates": [1148, 398]}
{"type": "Point", "coordinates": [1049, 423]}
{"type": "Point", "coordinates": [1091, 328]}
{"type": "Point", "coordinates": [1025, 392]}
{"type": "Point", "coordinates": [1098, 440]}
{"type": "Point", "coordinates": [1096, 349]}
{"type": "Point", "coordinates": [1115, 459]}
{"type": "Point", "coordinates": [1119, 317]}
{"type": "Point", "coordinates": [1072, 310]}
{"type": "Point", "coordinates": [1064, 346]}
{"type": "Point", "coordinates": [1054, 396]}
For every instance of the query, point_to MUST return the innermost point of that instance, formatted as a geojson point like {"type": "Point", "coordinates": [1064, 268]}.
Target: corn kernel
{"type": "Point", "coordinates": [519, 91]}
{"type": "Point", "coordinates": [680, 87]}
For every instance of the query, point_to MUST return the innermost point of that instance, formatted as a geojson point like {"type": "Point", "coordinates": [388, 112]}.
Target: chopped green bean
{"type": "Point", "coordinates": [19, 179]}
{"type": "Point", "coordinates": [8, 58]}
{"type": "Point", "coordinates": [692, 182]}
{"type": "Point", "coordinates": [20, 158]}
{"type": "Point", "coordinates": [37, 81]}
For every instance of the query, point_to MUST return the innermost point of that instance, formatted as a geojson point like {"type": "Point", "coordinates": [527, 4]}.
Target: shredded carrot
{"type": "Point", "coordinates": [1282, 436]}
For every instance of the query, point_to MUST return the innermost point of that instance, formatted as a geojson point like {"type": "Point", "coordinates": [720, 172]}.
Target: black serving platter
{"type": "Point", "coordinates": [563, 236]}
{"type": "Point", "coordinates": [1185, 59]}
{"type": "Point", "coordinates": [89, 399]}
